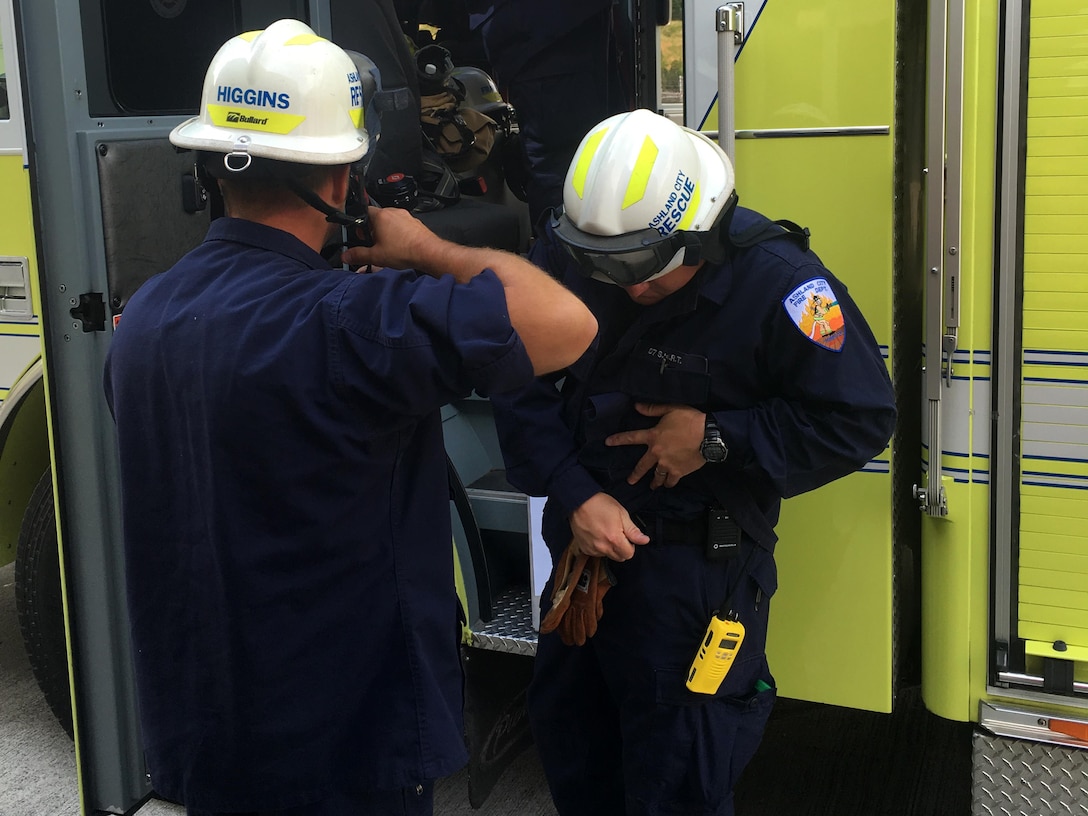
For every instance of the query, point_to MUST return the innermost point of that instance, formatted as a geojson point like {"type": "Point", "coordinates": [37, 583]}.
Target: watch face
{"type": "Point", "coordinates": [714, 450]}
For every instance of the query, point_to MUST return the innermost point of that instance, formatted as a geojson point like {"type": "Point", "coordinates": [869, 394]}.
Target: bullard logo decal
{"type": "Point", "coordinates": [234, 117]}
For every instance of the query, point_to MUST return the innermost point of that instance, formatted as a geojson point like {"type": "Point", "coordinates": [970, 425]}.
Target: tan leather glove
{"type": "Point", "coordinates": [577, 598]}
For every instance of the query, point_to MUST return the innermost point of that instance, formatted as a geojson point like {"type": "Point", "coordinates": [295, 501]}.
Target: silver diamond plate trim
{"type": "Point", "coordinates": [511, 626]}
{"type": "Point", "coordinates": [1021, 778]}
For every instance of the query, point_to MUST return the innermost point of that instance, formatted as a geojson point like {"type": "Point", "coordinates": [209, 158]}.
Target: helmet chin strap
{"type": "Point", "coordinates": [693, 252]}
{"type": "Point", "coordinates": [354, 216]}
{"type": "Point", "coordinates": [360, 230]}
{"type": "Point", "coordinates": [710, 246]}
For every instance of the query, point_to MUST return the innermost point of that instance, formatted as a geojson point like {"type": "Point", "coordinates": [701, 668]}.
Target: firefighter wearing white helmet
{"type": "Point", "coordinates": [284, 94]}
{"type": "Point", "coordinates": [644, 196]}
{"type": "Point", "coordinates": [285, 489]}
{"type": "Point", "coordinates": [279, 102]}
{"type": "Point", "coordinates": [732, 370]}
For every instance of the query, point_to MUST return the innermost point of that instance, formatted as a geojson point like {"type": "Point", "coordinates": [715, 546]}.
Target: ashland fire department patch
{"type": "Point", "coordinates": [814, 309]}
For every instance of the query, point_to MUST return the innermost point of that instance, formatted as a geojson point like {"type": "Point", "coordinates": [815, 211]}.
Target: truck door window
{"type": "Point", "coordinates": [671, 65]}
{"type": "Point", "coordinates": [155, 53]}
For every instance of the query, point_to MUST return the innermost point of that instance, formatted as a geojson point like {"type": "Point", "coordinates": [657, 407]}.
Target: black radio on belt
{"type": "Point", "coordinates": [722, 535]}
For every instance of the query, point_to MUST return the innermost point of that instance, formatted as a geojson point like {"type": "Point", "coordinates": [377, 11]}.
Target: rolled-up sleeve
{"type": "Point", "coordinates": [406, 343]}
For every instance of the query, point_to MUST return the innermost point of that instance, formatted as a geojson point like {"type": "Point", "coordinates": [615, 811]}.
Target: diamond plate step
{"type": "Point", "coordinates": [511, 626]}
{"type": "Point", "coordinates": [1021, 778]}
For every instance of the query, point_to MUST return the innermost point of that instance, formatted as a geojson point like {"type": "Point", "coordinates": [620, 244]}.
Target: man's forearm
{"type": "Point", "coordinates": [554, 325]}
{"type": "Point", "coordinates": [552, 322]}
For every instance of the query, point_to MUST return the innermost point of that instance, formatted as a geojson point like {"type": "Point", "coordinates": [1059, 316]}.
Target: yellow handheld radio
{"type": "Point", "coordinates": [719, 646]}
{"type": "Point", "coordinates": [716, 653]}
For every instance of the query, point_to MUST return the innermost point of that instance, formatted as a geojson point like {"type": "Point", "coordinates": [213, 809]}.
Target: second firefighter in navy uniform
{"type": "Point", "coordinates": [731, 370]}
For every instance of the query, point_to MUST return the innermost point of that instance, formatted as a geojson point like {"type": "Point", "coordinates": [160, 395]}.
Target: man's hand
{"type": "Point", "coordinates": [602, 526]}
{"type": "Point", "coordinates": [672, 446]}
{"type": "Point", "coordinates": [401, 241]}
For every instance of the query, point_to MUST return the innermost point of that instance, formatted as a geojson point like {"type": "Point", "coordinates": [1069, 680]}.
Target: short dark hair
{"type": "Point", "coordinates": [266, 184]}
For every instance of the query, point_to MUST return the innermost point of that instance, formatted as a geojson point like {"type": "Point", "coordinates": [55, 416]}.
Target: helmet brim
{"type": "Point", "coordinates": [197, 135]}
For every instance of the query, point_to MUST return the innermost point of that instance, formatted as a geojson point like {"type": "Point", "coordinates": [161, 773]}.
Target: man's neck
{"type": "Point", "coordinates": [308, 225]}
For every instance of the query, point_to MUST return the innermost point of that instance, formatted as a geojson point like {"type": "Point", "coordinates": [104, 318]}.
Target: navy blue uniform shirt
{"type": "Point", "coordinates": [769, 341]}
{"type": "Point", "coordinates": [517, 32]}
{"type": "Point", "coordinates": [286, 516]}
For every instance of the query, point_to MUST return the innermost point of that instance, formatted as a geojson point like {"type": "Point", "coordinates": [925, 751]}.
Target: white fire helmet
{"type": "Point", "coordinates": [644, 195]}
{"type": "Point", "coordinates": [283, 93]}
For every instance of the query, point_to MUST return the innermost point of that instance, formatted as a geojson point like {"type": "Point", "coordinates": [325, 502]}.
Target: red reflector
{"type": "Point", "coordinates": [1077, 730]}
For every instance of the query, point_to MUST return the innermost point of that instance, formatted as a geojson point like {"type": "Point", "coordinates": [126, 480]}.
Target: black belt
{"type": "Point", "coordinates": [663, 530]}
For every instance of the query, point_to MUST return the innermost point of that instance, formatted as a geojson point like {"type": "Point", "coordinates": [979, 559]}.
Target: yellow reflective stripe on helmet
{"type": "Point", "coordinates": [304, 39]}
{"type": "Point", "coordinates": [250, 36]}
{"type": "Point", "coordinates": [693, 207]}
{"type": "Point", "coordinates": [254, 119]}
{"type": "Point", "coordinates": [640, 176]}
{"type": "Point", "coordinates": [357, 117]}
{"type": "Point", "coordinates": [585, 158]}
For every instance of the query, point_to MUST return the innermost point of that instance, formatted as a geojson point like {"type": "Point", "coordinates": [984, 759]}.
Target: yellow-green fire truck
{"type": "Point", "coordinates": [938, 152]}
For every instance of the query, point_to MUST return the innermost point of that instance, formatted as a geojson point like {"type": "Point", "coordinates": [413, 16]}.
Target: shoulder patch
{"type": "Point", "coordinates": [815, 311]}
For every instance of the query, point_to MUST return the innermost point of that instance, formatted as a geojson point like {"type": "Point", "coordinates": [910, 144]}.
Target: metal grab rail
{"type": "Point", "coordinates": [729, 23]}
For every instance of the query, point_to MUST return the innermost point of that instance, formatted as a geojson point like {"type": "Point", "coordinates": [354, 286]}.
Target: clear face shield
{"type": "Point", "coordinates": [640, 256]}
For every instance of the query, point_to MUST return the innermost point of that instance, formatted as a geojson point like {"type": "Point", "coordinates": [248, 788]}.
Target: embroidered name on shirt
{"type": "Point", "coordinates": [686, 363]}
{"type": "Point", "coordinates": [814, 309]}
{"type": "Point", "coordinates": [667, 358]}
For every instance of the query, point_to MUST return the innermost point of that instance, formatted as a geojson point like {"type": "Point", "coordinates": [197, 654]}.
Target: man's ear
{"type": "Point", "coordinates": [340, 180]}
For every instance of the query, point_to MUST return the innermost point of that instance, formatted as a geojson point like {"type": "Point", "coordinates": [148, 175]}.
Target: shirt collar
{"type": "Point", "coordinates": [261, 236]}
{"type": "Point", "coordinates": [713, 281]}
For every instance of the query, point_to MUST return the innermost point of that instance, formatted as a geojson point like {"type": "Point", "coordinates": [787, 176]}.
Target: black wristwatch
{"type": "Point", "coordinates": [713, 448]}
